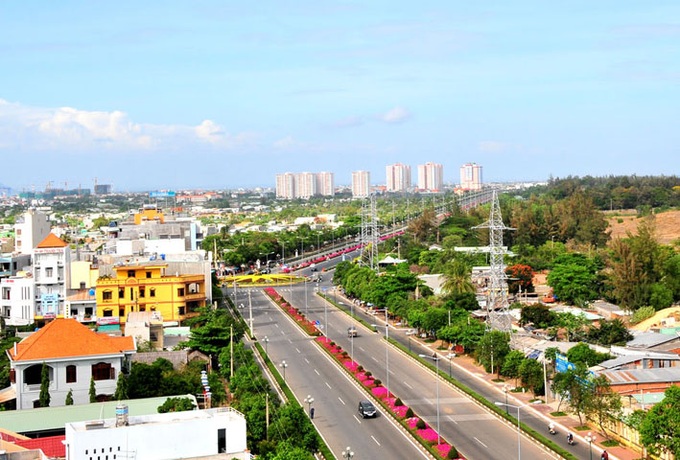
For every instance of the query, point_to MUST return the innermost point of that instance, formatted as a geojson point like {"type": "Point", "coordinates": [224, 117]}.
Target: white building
{"type": "Point", "coordinates": [52, 274]}
{"type": "Point", "coordinates": [471, 176]}
{"type": "Point", "coordinates": [361, 184]}
{"type": "Point", "coordinates": [305, 185]}
{"type": "Point", "coordinates": [398, 177]}
{"type": "Point", "coordinates": [285, 186]}
{"type": "Point", "coordinates": [188, 434]}
{"type": "Point", "coordinates": [325, 183]}
{"type": "Point", "coordinates": [73, 354]}
{"type": "Point", "coordinates": [17, 301]}
{"type": "Point", "coordinates": [29, 230]}
{"type": "Point", "coordinates": [431, 177]}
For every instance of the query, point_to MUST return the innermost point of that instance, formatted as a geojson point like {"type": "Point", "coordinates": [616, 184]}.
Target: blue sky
{"type": "Point", "coordinates": [225, 94]}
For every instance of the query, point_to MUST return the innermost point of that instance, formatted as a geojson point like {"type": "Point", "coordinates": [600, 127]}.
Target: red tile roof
{"type": "Point", "coordinates": [51, 446]}
{"type": "Point", "coordinates": [65, 338]}
{"type": "Point", "coordinates": [52, 241]}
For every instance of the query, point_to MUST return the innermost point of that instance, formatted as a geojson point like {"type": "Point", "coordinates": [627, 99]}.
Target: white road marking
{"type": "Point", "coordinates": [373, 358]}
{"type": "Point", "coordinates": [356, 418]}
{"type": "Point", "coordinates": [329, 387]}
{"type": "Point", "coordinates": [481, 442]}
{"type": "Point", "coordinates": [343, 402]}
{"type": "Point", "coordinates": [306, 360]}
{"type": "Point", "coordinates": [362, 349]}
{"type": "Point", "coordinates": [298, 350]}
{"type": "Point", "coordinates": [405, 383]}
{"type": "Point", "coordinates": [376, 441]}
{"type": "Point", "coordinates": [276, 325]}
{"type": "Point", "coordinates": [317, 372]}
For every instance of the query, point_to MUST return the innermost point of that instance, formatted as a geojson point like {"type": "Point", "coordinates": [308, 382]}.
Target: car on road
{"type": "Point", "coordinates": [352, 331]}
{"type": "Point", "coordinates": [367, 409]}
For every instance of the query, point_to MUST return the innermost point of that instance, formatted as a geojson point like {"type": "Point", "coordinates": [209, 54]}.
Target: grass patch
{"type": "Point", "coordinates": [498, 380]}
{"type": "Point", "coordinates": [610, 443]}
{"type": "Point", "coordinates": [558, 413]}
{"type": "Point", "coordinates": [582, 428]}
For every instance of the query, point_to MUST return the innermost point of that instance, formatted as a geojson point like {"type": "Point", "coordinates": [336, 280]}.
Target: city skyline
{"type": "Point", "coordinates": [213, 95]}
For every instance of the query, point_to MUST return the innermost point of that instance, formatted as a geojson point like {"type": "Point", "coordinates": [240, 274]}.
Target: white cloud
{"type": "Point", "coordinates": [396, 115]}
{"type": "Point", "coordinates": [71, 129]}
{"type": "Point", "coordinates": [493, 147]}
{"type": "Point", "coordinates": [285, 143]}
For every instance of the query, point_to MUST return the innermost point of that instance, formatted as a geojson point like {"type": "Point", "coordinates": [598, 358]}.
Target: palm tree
{"type": "Point", "coordinates": [457, 278]}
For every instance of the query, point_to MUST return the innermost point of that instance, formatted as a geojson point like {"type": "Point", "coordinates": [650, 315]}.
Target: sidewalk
{"type": "Point", "coordinates": [564, 424]}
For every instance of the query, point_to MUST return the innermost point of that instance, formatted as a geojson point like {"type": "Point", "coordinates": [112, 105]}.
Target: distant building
{"type": "Point", "coordinates": [305, 185]}
{"type": "Point", "coordinates": [430, 177]}
{"type": "Point", "coordinates": [285, 186]}
{"type": "Point", "coordinates": [361, 184]}
{"type": "Point", "coordinates": [471, 176]}
{"type": "Point", "coordinates": [146, 287]}
{"type": "Point", "coordinates": [17, 300]}
{"type": "Point", "coordinates": [29, 230]}
{"type": "Point", "coordinates": [398, 177]}
{"type": "Point", "coordinates": [325, 183]}
{"type": "Point", "coordinates": [102, 189]}
{"type": "Point", "coordinates": [188, 434]}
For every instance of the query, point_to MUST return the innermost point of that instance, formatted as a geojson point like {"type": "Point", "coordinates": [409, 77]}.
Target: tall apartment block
{"type": "Point", "coordinates": [361, 184]}
{"type": "Point", "coordinates": [325, 183]}
{"type": "Point", "coordinates": [398, 177]}
{"type": "Point", "coordinates": [471, 176]}
{"type": "Point", "coordinates": [304, 185]}
{"type": "Point", "coordinates": [431, 177]}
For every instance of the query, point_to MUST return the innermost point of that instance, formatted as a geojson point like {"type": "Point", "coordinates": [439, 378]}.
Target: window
{"type": "Point", "coordinates": [180, 292]}
{"type": "Point", "coordinates": [182, 310]}
{"type": "Point", "coordinates": [121, 311]}
{"type": "Point", "coordinates": [70, 374]}
{"type": "Point", "coordinates": [83, 285]}
{"type": "Point", "coordinates": [131, 273]}
{"type": "Point", "coordinates": [107, 295]}
{"type": "Point", "coordinates": [49, 272]}
{"type": "Point", "coordinates": [152, 292]}
{"type": "Point", "coordinates": [108, 312]}
{"type": "Point", "coordinates": [103, 371]}
{"type": "Point", "coordinates": [142, 292]}
{"type": "Point", "coordinates": [32, 374]}
{"type": "Point", "coordinates": [121, 293]}
{"type": "Point", "coordinates": [148, 274]}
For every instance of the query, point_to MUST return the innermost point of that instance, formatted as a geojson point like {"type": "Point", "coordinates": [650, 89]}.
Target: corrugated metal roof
{"type": "Point", "coordinates": [659, 375]}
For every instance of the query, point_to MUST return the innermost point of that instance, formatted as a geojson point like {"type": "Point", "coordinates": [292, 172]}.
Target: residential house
{"type": "Point", "coordinates": [73, 355]}
{"type": "Point", "coordinates": [51, 272]}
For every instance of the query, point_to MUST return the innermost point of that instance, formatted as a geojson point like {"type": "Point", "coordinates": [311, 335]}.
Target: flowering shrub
{"type": "Point", "coordinates": [428, 435]}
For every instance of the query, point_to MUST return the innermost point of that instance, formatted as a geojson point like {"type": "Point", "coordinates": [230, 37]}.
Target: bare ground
{"type": "Point", "coordinates": [667, 225]}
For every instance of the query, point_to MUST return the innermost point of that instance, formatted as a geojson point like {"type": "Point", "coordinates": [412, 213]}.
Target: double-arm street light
{"type": "Point", "coordinates": [435, 358]}
{"type": "Point", "coordinates": [591, 439]}
{"type": "Point", "coordinates": [309, 400]}
{"type": "Point", "coordinates": [284, 365]}
{"type": "Point", "coordinates": [519, 430]}
{"type": "Point", "coordinates": [347, 453]}
{"type": "Point", "coordinates": [266, 345]}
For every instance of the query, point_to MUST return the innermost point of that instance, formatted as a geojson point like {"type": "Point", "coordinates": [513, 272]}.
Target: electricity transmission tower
{"type": "Point", "coordinates": [498, 316]}
{"type": "Point", "coordinates": [369, 232]}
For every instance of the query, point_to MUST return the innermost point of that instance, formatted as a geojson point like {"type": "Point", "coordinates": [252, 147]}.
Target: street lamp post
{"type": "Point", "coordinates": [284, 365]}
{"type": "Point", "coordinates": [591, 439]}
{"type": "Point", "coordinates": [306, 306]}
{"type": "Point", "coordinates": [347, 453]}
{"type": "Point", "coordinates": [309, 400]}
{"type": "Point", "coordinates": [505, 390]}
{"type": "Point", "coordinates": [266, 345]}
{"type": "Point", "coordinates": [519, 430]}
{"type": "Point", "coordinates": [435, 358]}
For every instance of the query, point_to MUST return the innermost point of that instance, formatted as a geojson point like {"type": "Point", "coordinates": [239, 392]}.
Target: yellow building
{"type": "Point", "coordinates": [138, 288]}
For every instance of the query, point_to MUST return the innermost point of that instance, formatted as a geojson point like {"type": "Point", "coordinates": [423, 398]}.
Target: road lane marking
{"type": "Point", "coordinates": [276, 325]}
{"type": "Point", "coordinates": [362, 349]}
{"type": "Point", "coordinates": [481, 442]}
{"type": "Point", "coordinates": [343, 402]}
{"type": "Point", "coordinates": [356, 418]}
{"type": "Point", "coordinates": [329, 387]}
{"type": "Point", "coordinates": [317, 372]}
{"type": "Point", "coordinates": [373, 358]}
{"type": "Point", "coordinates": [290, 341]}
{"type": "Point", "coordinates": [405, 383]}
{"type": "Point", "coordinates": [306, 360]}
{"type": "Point", "coordinates": [376, 441]}
{"type": "Point", "coordinates": [297, 349]}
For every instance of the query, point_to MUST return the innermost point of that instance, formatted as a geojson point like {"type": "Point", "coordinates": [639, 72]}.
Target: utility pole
{"type": "Point", "coordinates": [231, 350]}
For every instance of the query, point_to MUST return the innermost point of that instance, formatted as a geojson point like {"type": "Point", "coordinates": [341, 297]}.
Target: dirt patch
{"type": "Point", "coordinates": [657, 319]}
{"type": "Point", "coordinates": [667, 226]}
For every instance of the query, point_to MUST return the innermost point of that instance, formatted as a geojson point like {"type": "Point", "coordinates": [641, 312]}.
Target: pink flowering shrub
{"type": "Point", "coordinates": [400, 411]}
{"type": "Point", "coordinates": [411, 422]}
{"type": "Point", "coordinates": [443, 449]}
{"type": "Point", "coordinates": [428, 435]}
{"type": "Point", "coordinates": [379, 392]}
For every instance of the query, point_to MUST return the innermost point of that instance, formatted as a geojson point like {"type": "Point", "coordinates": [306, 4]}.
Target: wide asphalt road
{"type": "Point", "coordinates": [310, 372]}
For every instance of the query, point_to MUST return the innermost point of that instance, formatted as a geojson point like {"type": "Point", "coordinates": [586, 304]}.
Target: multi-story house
{"type": "Point", "coordinates": [74, 355]}
{"type": "Point", "coordinates": [29, 229]}
{"type": "Point", "coordinates": [17, 301]}
{"type": "Point", "coordinates": [51, 272]}
{"type": "Point", "coordinates": [146, 287]}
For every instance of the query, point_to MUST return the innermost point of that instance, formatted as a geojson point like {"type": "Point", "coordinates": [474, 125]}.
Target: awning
{"type": "Point", "coordinates": [7, 394]}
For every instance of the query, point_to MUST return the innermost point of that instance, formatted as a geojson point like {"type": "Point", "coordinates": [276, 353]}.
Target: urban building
{"type": "Point", "coordinates": [398, 177]}
{"type": "Point", "coordinates": [325, 183]}
{"type": "Point", "coordinates": [52, 274]}
{"type": "Point", "coordinates": [146, 287]}
{"type": "Point", "coordinates": [73, 354]}
{"type": "Point", "coordinates": [30, 229]}
{"type": "Point", "coordinates": [471, 176]}
{"type": "Point", "coordinates": [285, 186]}
{"type": "Point", "coordinates": [361, 184]}
{"type": "Point", "coordinates": [305, 185]}
{"type": "Point", "coordinates": [11, 264]}
{"type": "Point", "coordinates": [430, 177]}
{"type": "Point", "coordinates": [17, 300]}
{"type": "Point", "coordinates": [188, 434]}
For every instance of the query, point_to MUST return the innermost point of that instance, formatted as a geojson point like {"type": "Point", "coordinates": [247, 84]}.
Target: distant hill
{"type": "Point", "coordinates": [667, 225]}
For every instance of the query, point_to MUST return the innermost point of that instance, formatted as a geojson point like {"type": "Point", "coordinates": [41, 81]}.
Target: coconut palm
{"type": "Point", "coordinates": [457, 278]}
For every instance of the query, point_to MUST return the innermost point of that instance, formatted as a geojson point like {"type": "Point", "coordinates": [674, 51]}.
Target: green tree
{"type": "Point", "coordinates": [492, 350]}
{"type": "Point", "coordinates": [574, 279]}
{"type": "Point", "coordinates": [93, 391]}
{"type": "Point", "coordinates": [121, 392]}
{"type": "Point", "coordinates": [457, 278]}
{"type": "Point", "coordinates": [609, 333]}
{"type": "Point", "coordinates": [44, 399]}
{"type": "Point", "coordinates": [511, 364]}
{"type": "Point", "coordinates": [531, 373]}
{"type": "Point", "coordinates": [604, 403]}
{"type": "Point", "coordinates": [69, 398]}
{"type": "Point", "coordinates": [176, 405]}
{"type": "Point", "coordinates": [582, 353]}
{"type": "Point", "coordinates": [660, 429]}
{"type": "Point", "coordinates": [571, 386]}
{"type": "Point", "coordinates": [539, 315]}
